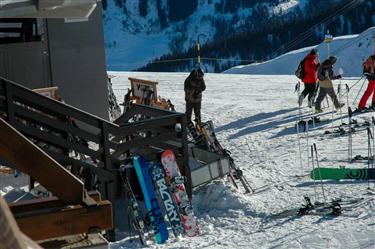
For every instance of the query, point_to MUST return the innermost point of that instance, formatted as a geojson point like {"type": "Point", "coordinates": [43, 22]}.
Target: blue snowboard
{"type": "Point", "coordinates": [152, 205]}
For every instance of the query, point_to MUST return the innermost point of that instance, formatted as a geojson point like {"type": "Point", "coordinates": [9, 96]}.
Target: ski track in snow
{"type": "Point", "coordinates": [253, 117]}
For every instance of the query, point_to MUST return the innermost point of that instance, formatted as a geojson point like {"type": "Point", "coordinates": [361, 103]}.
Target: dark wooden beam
{"type": "Point", "coordinates": [31, 160]}
{"type": "Point", "coordinates": [52, 223]}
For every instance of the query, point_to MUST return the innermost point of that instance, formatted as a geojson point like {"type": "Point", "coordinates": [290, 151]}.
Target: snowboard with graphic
{"type": "Point", "coordinates": [153, 209]}
{"type": "Point", "coordinates": [342, 173]}
{"type": "Point", "coordinates": [172, 171]}
{"type": "Point", "coordinates": [158, 177]}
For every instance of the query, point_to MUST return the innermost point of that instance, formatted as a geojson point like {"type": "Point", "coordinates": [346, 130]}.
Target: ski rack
{"type": "Point", "coordinates": [214, 145]}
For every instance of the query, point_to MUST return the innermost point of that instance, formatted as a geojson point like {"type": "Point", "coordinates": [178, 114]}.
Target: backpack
{"type": "Point", "coordinates": [369, 64]}
{"type": "Point", "coordinates": [321, 73]}
{"type": "Point", "coordinates": [300, 72]}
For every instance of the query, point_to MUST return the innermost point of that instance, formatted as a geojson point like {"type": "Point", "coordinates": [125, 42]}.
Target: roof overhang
{"type": "Point", "coordinates": [47, 8]}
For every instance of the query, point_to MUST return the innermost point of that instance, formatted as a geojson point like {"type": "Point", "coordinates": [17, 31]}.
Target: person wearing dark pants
{"type": "Point", "coordinates": [194, 86]}
{"type": "Point", "coordinates": [325, 75]}
{"type": "Point", "coordinates": [310, 65]}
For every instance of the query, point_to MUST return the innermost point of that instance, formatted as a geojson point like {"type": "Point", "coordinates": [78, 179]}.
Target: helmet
{"type": "Point", "coordinates": [332, 59]}
{"type": "Point", "coordinates": [200, 73]}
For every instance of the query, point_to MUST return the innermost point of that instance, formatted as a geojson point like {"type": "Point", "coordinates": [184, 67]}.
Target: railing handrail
{"type": "Point", "coordinates": [62, 104]}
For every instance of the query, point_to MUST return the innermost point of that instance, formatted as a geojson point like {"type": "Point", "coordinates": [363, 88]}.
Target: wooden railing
{"type": "Point", "coordinates": [99, 146]}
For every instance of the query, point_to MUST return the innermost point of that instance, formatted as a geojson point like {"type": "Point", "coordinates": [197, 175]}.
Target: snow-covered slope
{"type": "Point", "coordinates": [254, 117]}
{"type": "Point", "coordinates": [351, 51]}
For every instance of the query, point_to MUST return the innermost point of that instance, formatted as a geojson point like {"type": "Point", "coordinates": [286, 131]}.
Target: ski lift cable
{"type": "Point", "coordinates": [310, 31]}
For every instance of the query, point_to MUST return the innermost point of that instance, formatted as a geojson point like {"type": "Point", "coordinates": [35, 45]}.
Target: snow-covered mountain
{"type": "Point", "coordinates": [138, 31]}
{"type": "Point", "coordinates": [350, 51]}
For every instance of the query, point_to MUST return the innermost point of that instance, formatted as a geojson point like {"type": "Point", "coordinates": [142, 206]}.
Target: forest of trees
{"type": "Point", "coordinates": [271, 40]}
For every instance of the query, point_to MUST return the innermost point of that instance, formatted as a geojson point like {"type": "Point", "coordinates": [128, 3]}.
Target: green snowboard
{"type": "Point", "coordinates": [342, 173]}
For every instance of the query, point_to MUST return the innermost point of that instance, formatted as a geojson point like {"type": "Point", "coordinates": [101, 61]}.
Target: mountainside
{"type": "Point", "coordinates": [140, 31]}
{"type": "Point", "coordinates": [350, 51]}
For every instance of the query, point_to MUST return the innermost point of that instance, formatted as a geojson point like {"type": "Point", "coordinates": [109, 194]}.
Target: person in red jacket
{"type": "Point", "coordinates": [369, 72]}
{"type": "Point", "coordinates": [311, 64]}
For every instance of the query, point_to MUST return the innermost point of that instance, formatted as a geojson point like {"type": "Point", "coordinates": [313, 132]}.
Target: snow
{"type": "Point", "coordinates": [254, 116]}
{"type": "Point", "coordinates": [350, 50]}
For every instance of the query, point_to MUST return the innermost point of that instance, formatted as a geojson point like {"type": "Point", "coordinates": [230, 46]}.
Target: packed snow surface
{"type": "Point", "coordinates": [254, 117]}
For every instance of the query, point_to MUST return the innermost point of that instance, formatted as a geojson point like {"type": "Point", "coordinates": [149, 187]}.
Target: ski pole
{"type": "Point", "coordinates": [307, 142]}
{"type": "Point", "coordinates": [359, 91]}
{"type": "Point", "coordinates": [356, 82]}
{"type": "Point", "coordinates": [350, 149]}
{"type": "Point", "coordinates": [299, 147]}
{"type": "Point", "coordinates": [298, 90]}
{"type": "Point", "coordinates": [340, 96]}
{"type": "Point", "coordinates": [369, 153]}
{"type": "Point", "coordinates": [313, 167]}
{"type": "Point", "coordinates": [320, 176]}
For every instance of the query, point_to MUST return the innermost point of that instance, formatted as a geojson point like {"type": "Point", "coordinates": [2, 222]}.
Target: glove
{"type": "Point", "coordinates": [338, 77]}
{"type": "Point", "coordinates": [367, 74]}
{"type": "Point", "coordinates": [196, 93]}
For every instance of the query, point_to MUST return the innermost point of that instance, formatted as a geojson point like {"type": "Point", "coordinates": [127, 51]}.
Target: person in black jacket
{"type": "Point", "coordinates": [194, 86]}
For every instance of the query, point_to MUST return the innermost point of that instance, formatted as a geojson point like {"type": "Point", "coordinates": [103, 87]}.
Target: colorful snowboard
{"type": "Point", "coordinates": [171, 208]}
{"type": "Point", "coordinates": [342, 173]}
{"type": "Point", "coordinates": [172, 171]}
{"type": "Point", "coordinates": [152, 205]}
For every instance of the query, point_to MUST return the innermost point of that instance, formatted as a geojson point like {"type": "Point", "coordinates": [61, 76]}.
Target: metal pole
{"type": "Point", "coordinates": [307, 141]}
{"type": "Point", "coordinates": [359, 91]}
{"type": "Point", "coordinates": [369, 154]}
{"type": "Point", "coordinates": [313, 167]}
{"type": "Point", "coordinates": [350, 149]}
{"type": "Point", "coordinates": [299, 147]}
{"type": "Point", "coordinates": [320, 176]}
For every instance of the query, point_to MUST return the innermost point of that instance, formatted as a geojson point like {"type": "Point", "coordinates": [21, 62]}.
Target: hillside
{"type": "Point", "coordinates": [138, 32]}
{"type": "Point", "coordinates": [351, 51]}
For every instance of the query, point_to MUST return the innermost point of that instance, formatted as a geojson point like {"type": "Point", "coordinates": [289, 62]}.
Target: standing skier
{"type": "Point", "coordinates": [310, 65]}
{"type": "Point", "coordinates": [325, 75]}
{"type": "Point", "coordinates": [369, 72]}
{"type": "Point", "coordinates": [194, 86]}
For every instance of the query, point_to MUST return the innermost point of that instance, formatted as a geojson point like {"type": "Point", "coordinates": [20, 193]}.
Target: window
{"type": "Point", "coordinates": [15, 30]}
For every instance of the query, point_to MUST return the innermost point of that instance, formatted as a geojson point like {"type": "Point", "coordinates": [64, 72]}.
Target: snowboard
{"type": "Point", "coordinates": [158, 177]}
{"type": "Point", "coordinates": [172, 171]}
{"type": "Point", "coordinates": [342, 173]}
{"type": "Point", "coordinates": [134, 211]}
{"type": "Point", "coordinates": [153, 209]}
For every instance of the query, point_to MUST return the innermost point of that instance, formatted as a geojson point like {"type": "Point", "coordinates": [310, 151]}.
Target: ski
{"type": "Point", "coordinates": [332, 208]}
{"type": "Point", "coordinates": [172, 171]}
{"type": "Point", "coordinates": [197, 138]}
{"type": "Point", "coordinates": [207, 130]}
{"type": "Point", "coordinates": [342, 173]}
{"type": "Point", "coordinates": [153, 209]}
{"type": "Point", "coordinates": [158, 177]}
{"type": "Point", "coordinates": [137, 220]}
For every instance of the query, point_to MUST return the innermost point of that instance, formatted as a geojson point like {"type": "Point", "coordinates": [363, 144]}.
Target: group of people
{"type": "Point", "coordinates": [319, 73]}
{"type": "Point", "coordinates": [322, 73]}
{"type": "Point", "coordinates": [314, 73]}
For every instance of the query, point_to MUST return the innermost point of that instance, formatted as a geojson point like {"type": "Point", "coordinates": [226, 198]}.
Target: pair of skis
{"type": "Point", "coordinates": [206, 129]}
{"type": "Point", "coordinates": [172, 192]}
